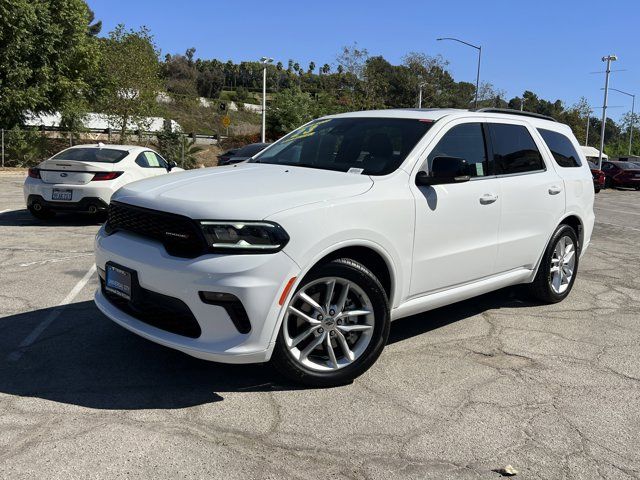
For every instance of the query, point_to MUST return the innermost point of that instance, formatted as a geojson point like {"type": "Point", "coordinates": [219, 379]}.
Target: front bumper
{"type": "Point", "coordinates": [256, 280]}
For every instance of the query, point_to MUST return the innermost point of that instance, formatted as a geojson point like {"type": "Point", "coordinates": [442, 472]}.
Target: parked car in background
{"type": "Point", "coordinates": [237, 155]}
{"type": "Point", "coordinates": [83, 178]}
{"type": "Point", "coordinates": [306, 253]}
{"type": "Point", "coordinates": [621, 174]}
{"type": "Point", "coordinates": [598, 177]}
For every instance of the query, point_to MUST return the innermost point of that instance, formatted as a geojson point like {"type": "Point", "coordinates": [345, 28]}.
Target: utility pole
{"type": "Point", "coordinates": [608, 59]}
{"type": "Point", "coordinates": [265, 61]}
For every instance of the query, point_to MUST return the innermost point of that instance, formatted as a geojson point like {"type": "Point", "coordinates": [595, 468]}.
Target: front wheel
{"type": "Point", "coordinates": [558, 268]}
{"type": "Point", "coordinates": [335, 326]}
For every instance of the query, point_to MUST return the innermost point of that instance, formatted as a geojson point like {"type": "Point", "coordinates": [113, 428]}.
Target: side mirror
{"type": "Point", "coordinates": [445, 170]}
{"type": "Point", "coordinates": [172, 165]}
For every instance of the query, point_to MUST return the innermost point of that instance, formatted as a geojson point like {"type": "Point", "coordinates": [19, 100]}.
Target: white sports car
{"type": "Point", "coordinates": [83, 178]}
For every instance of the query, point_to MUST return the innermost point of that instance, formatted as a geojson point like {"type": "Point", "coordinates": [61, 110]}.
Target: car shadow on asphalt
{"type": "Point", "coordinates": [84, 359]}
{"type": "Point", "coordinates": [22, 218]}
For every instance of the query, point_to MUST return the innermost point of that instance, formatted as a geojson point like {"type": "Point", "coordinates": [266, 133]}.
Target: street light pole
{"type": "Point", "coordinates": [477, 47]}
{"type": "Point", "coordinates": [265, 61]}
{"type": "Point", "coordinates": [633, 105]}
{"type": "Point", "coordinates": [608, 59]}
{"type": "Point", "coordinates": [420, 95]}
{"type": "Point", "coordinates": [586, 137]}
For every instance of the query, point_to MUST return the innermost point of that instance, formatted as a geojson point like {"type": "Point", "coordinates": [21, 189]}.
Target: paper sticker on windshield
{"type": "Point", "coordinates": [355, 170]}
{"type": "Point", "coordinates": [479, 170]}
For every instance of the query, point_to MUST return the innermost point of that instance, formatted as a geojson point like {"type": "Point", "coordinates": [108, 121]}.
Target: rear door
{"type": "Point", "coordinates": [456, 227]}
{"type": "Point", "coordinates": [533, 194]}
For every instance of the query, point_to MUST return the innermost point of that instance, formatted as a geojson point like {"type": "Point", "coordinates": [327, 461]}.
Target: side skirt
{"type": "Point", "coordinates": [459, 293]}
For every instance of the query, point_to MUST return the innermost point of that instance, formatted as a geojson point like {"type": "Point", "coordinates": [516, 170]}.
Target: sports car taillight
{"type": "Point", "coordinates": [106, 176]}
{"type": "Point", "coordinates": [34, 173]}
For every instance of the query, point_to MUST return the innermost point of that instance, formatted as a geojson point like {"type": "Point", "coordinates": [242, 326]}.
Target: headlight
{"type": "Point", "coordinates": [244, 237]}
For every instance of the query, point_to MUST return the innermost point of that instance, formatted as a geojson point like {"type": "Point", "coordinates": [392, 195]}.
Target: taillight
{"type": "Point", "coordinates": [34, 172]}
{"type": "Point", "coordinates": [106, 176]}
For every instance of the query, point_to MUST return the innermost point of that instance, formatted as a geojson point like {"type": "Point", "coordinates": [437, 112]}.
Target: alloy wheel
{"type": "Point", "coordinates": [563, 263]}
{"type": "Point", "coordinates": [328, 324]}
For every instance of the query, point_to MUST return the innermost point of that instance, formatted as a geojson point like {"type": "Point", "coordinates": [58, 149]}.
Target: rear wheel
{"type": "Point", "coordinates": [335, 326]}
{"type": "Point", "coordinates": [41, 212]}
{"type": "Point", "coordinates": [608, 183]}
{"type": "Point", "coordinates": [559, 267]}
{"type": "Point", "coordinates": [597, 189]}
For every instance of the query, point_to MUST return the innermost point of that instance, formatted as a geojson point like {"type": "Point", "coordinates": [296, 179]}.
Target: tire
{"type": "Point", "coordinates": [597, 189]}
{"type": "Point", "coordinates": [550, 286]}
{"type": "Point", "coordinates": [365, 334]}
{"type": "Point", "coordinates": [42, 214]}
{"type": "Point", "coordinates": [608, 183]}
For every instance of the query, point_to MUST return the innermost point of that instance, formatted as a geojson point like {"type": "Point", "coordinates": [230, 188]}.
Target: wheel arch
{"type": "Point", "coordinates": [570, 219]}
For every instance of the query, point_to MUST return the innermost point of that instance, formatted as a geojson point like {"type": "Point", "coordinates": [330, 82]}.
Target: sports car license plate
{"type": "Point", "coordinates": [62, 194]}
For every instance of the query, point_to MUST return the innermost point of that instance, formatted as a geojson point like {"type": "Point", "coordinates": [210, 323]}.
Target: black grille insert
{"type": "Point", "coordinates": [181, 236]}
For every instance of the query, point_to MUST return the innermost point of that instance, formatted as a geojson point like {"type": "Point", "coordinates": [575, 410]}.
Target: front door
{"type": "Point", "coordinates": [456, 232]}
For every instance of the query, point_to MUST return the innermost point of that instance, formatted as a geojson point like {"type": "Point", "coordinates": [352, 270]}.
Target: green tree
{"type": "Point", "coordinates": [130, 72]}
{"type": "Point", "coordinates": [46, 56]}
{"type": "Point", "coordinates": [289, 109]}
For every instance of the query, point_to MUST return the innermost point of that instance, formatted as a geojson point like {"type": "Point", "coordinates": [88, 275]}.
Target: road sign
{"type": "Point", "coordinates": [226, 121]}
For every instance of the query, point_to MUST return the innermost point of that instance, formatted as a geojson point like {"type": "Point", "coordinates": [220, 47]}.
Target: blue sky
{"type": "Point", "coordinates": [549, 47]}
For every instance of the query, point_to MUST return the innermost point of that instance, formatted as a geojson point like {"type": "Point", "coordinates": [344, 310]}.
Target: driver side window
{"type": "Point", "coordinates": [464, 141]}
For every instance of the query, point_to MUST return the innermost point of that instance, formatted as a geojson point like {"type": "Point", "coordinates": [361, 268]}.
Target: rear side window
{"type": "Point", "coordinates": [514, 150]}
{"type": "Point", "coordinates": [102, 155]}
{"type": "Point", "coordinates": [561, 148]}
{"type": "Point", "coordinates": [464, 141]}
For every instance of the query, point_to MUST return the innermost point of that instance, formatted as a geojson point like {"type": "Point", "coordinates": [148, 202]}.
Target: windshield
{"type": "Point", "coordinates": [92, 154]}
{"type": "Point", "coordinates": [372, 146]}
{"type": "Point", "coordinates": [627, 165]}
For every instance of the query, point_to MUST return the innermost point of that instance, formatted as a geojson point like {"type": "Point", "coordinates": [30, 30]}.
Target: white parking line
{"type": "Point", "coordinates": [55, 313]}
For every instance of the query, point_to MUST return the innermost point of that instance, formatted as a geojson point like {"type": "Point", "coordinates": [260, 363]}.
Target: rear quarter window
{"type": "Point", "coordinates": [561, 148]}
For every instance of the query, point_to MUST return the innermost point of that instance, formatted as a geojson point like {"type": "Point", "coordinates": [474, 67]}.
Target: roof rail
{"type": "Point", "coordinates": [510, 111]}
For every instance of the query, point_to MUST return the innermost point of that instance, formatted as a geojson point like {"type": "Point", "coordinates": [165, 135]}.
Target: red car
{"type": "Point", "coordinates": [621, 174]}
{"type": "Point", "coordinates": [598, 177]}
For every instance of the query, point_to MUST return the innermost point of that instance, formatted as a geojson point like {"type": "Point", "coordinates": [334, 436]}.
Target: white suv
{"type": "Point", "coordinates": [304, 254]}
{"type": "Point", "coordinates": [83, 178]}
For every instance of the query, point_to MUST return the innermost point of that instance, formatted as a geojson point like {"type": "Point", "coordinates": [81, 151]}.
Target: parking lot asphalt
{"type": "Point", "coordinates": [459, 392]}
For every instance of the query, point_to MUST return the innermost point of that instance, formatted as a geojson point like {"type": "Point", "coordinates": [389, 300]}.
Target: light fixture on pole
{"type": "Point", "coordinates": [477, 47]}
{"type": "Point", "coordinates": [608, 59]}
{"type": "Point", "coordinates": [265, 61]}
{"type": "Point", "coordinates": [633, 118]}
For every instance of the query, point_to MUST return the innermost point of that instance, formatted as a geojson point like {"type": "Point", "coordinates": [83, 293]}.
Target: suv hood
{"type": "Point", "coordinates": [249, 191]}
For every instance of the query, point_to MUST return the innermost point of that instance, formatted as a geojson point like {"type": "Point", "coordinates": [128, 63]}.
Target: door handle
{"type": "Point", "coordinates": [554, 190]}
{"type": "Point", "coordinates": [488, 198]}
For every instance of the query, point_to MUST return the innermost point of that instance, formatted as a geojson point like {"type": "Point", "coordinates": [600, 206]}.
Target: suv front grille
{"type": "Point", "coordinates": [180, 235]}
